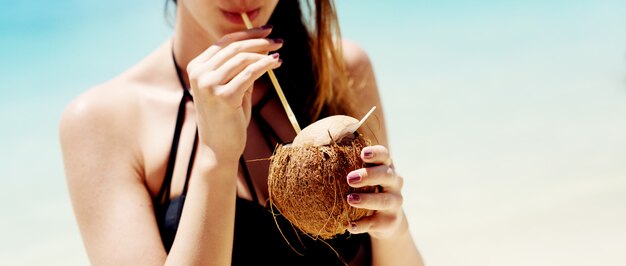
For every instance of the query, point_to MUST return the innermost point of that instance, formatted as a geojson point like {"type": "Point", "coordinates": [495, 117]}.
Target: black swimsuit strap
{"type": "Point", "coordinates": [164, 192]}
{"type": "Point", "coordinates": [195, 138]}
{"type": "Point", "coordinates": [181, 79]}
{"type": "Point", "coordinates": [191, 160]}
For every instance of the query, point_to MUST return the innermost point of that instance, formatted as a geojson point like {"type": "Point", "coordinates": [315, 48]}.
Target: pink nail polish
{"type": "Point", "coordinates": [354, 178]}
{"type": "Point", "coordinates": [367, 154]}
{"type": "Point", "coordinates": [354, 198]}
{"type": "Point", "coordinates": [275, 55]}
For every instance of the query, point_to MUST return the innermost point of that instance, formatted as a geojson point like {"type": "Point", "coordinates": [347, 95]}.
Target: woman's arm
{"type": "Point", "coordinates": [111, 203]}
{"type": "Point", "coordinates": [221, 80]}
{"type": "Point", "coordinates": [104, 167]}
{"type": "Point", "coordinates": [392, 243]}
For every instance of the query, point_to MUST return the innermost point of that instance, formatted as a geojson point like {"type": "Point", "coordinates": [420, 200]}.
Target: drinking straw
{"type": "Point", "coordinates": [279, 91]}
{"type": "Point", "coordinates": [366, 116]}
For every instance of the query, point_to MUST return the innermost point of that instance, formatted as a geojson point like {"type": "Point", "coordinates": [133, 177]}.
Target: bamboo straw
{"type": "Point", "coordinates": [365, 117]}
{"type": "Point", "coordinates": [279, 91]}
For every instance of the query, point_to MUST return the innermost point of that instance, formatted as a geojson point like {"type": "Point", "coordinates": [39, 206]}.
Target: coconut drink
{"type": "Point", "coordinates": [307, 178]}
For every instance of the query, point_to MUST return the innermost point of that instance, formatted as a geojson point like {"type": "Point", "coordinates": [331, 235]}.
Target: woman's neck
{"type": "Point", "coordinates": [189, 39]}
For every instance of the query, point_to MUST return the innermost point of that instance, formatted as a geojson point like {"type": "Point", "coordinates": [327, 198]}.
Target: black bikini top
{"type": "Point", "coordinates": [257, 238]}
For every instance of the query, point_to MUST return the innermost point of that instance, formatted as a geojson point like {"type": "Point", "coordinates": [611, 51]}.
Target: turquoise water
{"type": "Point", "coordinates": [506, 119]}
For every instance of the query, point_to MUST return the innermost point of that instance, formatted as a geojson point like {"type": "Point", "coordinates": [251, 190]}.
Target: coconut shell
{"type": "Point", "coordinates": [307, 184]}
{"type": "Point", "coordinates": [327, 130]}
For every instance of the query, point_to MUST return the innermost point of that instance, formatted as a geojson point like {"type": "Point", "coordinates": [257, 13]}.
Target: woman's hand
{"type": "Point", "coordinates": [388, 219]}
{"type": "Point", "coordinates": [221, 80]}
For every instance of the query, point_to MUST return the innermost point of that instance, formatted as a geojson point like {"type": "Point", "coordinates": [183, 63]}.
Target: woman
{"type": "Point", "coordinates": [160, 161]}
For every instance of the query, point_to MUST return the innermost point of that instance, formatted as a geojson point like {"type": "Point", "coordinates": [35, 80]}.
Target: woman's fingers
{"type": "Point", "coordinates": [237, 57]}
{"type": "Point", "coordinates": [377, 154]}
{"type": "Point", "coordinates": [235, 65]}
{"type": "Point", "coordinates": [381, 175]}
{"type": "Point", "coordinates": [375, 201]}
{"type": "Point", "coordinates": [234, 90]}
{"type": "Point", "coordinates": [387, 218]}
{"type": "Point", "coordinates": [374, 224]}
{"type": "Point", "coordinates": [210, 78]}
{"type": "Point", "coordinates": [260, 46]}
{"type": "Point", "coordinates": [260, 32]}
{"type": "Point", "coordinates": [227, 54]}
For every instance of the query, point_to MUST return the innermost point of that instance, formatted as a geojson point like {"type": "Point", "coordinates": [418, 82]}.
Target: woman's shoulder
{"type": "Point", "coordinates": [112, 108]}
{"type": "Point", "coordinates": [356, 59]}
{"type": "Point", "coordinates": [362, 83]}
{"type": "Point", "coordinates": [360, 72]}
{"type": "Point", "coordinates": [100, 120]}
{"type": "Point", "coordinates": [105, 103]}
{"type": "Point", "coordinates": [101, 104]}
{"type": "Point", "coordinates": [363, 88]}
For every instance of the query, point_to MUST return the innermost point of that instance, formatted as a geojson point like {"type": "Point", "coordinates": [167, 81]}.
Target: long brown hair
{"type": "Point", "coordinates": [328, 59]}
{"type": "Point", "coordinates": [313, 61]}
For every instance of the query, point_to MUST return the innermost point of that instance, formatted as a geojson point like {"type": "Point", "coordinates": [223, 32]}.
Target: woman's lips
{"type": "Point", "coordinates": [235, 17]}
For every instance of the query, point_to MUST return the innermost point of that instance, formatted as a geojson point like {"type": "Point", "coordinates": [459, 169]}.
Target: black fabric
{"type": "Point", "coordinates": [168, 211]}
{"type": "Point", "coordinates": [260, 236]}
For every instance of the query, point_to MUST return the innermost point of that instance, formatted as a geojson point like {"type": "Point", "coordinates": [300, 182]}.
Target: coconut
{"type": "Point", "coordinates": [307, 178]}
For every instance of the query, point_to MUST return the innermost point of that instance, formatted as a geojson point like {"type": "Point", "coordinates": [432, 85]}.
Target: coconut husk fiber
{"type": "Point", "coordinates": [307, 185]}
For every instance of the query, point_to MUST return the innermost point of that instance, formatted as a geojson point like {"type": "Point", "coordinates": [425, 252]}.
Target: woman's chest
{"type": "Point", "coordinates": [167, 141]}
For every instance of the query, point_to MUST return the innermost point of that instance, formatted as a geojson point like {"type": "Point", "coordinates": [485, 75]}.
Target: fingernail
{"type": "Point", "coordinates": [275, 55]}
{"type": "Point", "coordinates": [280, 61]}
{"type": "Point", "coordinates": [278, 40]}
{"type": "Point", "coordinates": [368, 154]}
{"type": "Point", "coordinates": [354, 178]}
{"type": "Point", "coordinates": [265, 27]}
{"type": "Point", "coordinates": [354, 198]}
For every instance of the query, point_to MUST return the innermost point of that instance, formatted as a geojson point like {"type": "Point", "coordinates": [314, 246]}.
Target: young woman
{"type": "Point", "coordinates": [160, 161]}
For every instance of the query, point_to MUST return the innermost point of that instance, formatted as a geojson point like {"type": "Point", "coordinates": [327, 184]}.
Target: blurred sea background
{"type": "Point", "coordinates": [507, 120]}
